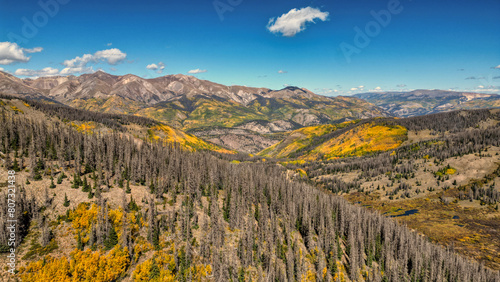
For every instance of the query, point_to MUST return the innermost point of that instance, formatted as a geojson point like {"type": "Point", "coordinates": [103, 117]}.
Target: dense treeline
{"type": "Point", "coordinates": [463, 136]}
{"type": "Point", "coordinates": [252, 220]}
{"type": "Point", "coordinates": [437, 124]}
{"type": "Point", "coordinates": [114, 121]}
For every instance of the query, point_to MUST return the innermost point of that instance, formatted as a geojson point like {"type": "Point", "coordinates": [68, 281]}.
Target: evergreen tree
{"type": "Point", "coordinates": [128, 191]}
{"type": "Point", "coordinates": [154, 271]}
{"type": "Point", "coordinates": [79, 245]}
{"type": "Point", "coordinates": [66, 201]}
{"type": "Point", "coordinates": [15, 165]}
{"type": "Point", "coordinates": [60, 178]}
{"type": "Point", "coordinates": [112, 239]}
{"type": "Point", "coordinates": [52, 185]}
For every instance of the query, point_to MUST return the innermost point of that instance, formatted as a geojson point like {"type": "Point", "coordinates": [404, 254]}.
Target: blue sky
{"type": "Point", "coordinates": [424, 45]}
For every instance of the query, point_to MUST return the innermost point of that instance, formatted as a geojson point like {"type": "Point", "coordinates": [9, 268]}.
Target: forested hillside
{"type": "Point", "coordinates": [235, 116]}
{"type": "Point", "coordinates": [442, 181]}
{"type": "Point", "coordinates": [104, 207]}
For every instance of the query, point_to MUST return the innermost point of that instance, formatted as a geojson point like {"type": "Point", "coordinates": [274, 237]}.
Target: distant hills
{"type": "Point", "coordinates": [423, 102]}
{"type": "Point", "coordinates": [195, 105]}
{"type": "Point", "coordinates": [241, 118]}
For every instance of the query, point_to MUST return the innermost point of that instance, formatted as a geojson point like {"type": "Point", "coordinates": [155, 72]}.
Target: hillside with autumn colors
{"type": "Point", "coordinates": [112, 198]}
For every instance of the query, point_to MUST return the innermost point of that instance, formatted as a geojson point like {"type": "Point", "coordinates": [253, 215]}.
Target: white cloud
{"type": "Point", "coordinates": [48, 71]}
{"type": "Point", "coordinates": [76, 70]}
{"type": "Point", "coordinates": [354, 89]}
{"type": "Point", "coordinates": [112, 56]}
{"type": "Point", "coordinates": [109, 44]}
{"type": "Point", "coordinates": [487, 89]}
{"type": "Point", "coordinates": [282, 71]}
{"type": "Point", "coordinates": [1, 69]}
{"type": "Point", "coordinates": [152, 67]}
{"type": "Point", "coordinates": [12, 53]}
{"type": "Point", "coordinates": [295, 21]}
{"type": "Point", "coordinates": [497, 67]}
{"type": "Point", "coordinates": [34, 50]}
{"type": "Point", "coordinates": [361, 87]}
{"type": "Point", "coordinates": [378, 88]}
{"type": "Point", "coordinates": [196, 71]}
{"type": "Point", "coordinates": [158, 68]}
{"type": "Point", "coordinates": [401, 85]}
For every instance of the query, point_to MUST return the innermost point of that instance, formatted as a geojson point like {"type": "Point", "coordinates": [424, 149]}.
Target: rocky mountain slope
{"type": "Point", "coordinates": [422, 102]}
{"type": "Point", "coordinates": [139, 128]}
{"type": "Point", "coordinates": [191, 104]}
{"type": "Point", "coordinates": [103, 207]}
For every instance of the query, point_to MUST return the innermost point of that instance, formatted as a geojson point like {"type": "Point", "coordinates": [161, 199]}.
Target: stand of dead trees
{"type": "Point", "coordinates": [252, 220]}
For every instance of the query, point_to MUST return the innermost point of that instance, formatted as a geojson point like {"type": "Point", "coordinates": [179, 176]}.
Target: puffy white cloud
{"type": "Point", "coordinates": [112, 56]}
{"type": "Point", "coordinates": [282, 71]}
{"type": "Point", "coordinates": [152, 67]}
{"type": "Point", "coordinates": [497, 67]}
{"type": "Point", "coordinates": [12, 53]}
{"type": "Point", "coordinates": [378, 88]}
{"type": "Point", "coordinates": [76, 70]}
{"type": "Point", "coordinates": [48, 71]}
{"type": "Point", "coordinates": [78, 61]}
{"type": "Point", "coordinates": [158, 68]}
{"type": "Point", "coordinates": [196, 71]}
{"type": "Point", "coordinates": [354, 89]}
{"type": "Point", "coordinates": [1, 69]}
{"type": "Point", "coordinates": [295, 21]}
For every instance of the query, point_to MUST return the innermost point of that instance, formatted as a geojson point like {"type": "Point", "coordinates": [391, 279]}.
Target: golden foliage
{"type": "Point", "coordinates": [16, 109]}
{"type": "Point", "coordinates": [83, 266]}
{"type": "Point", "coordinates": [167, 134]}
{"type": "Point", "coordinates": [83, 217]}
{"type": "Point", "coordinates": [359, 141]}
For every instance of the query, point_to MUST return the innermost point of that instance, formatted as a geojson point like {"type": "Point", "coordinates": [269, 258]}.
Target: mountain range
{"type": "Point", "coordinates": [423, 102]}
{"type": "Point", "coordinates": [221, 113]}
{"type": "Point", "coordinates": [241, 118]}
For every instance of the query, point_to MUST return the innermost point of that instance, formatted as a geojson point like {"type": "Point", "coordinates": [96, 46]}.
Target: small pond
{"type": "Point", "coordinates": [408, 212]}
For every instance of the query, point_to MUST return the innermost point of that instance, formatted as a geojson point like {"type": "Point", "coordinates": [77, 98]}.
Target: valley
{"type": "Point", "coordinates": [436, 175]}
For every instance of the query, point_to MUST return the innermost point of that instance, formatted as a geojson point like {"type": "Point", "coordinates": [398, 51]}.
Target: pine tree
{"type": "Point", "coordinates": [66, 201]}
{"type": "Point", "coordinates": [86, 187]}
{"type": "Point", "coordinates": [52, 185]}
{"type": "Point", "coordinates": [60, 178]}
{"type": "Point", "coordinates": [79, 245]}
{"type": "Point", "coordinates": [15, 165]}
{"type": "Point", "coordinates": [154, 271]}
{"type": "Point", "coordinates": [151, 187]}
{"type": "Point", "coordinates": [128, 191]}
{"type": "Point", "coordinates": [76, 181]}
{"type": "Point", "coordinates": [132, 205]}
{"type": "Point", "coordinates": [112, 239]}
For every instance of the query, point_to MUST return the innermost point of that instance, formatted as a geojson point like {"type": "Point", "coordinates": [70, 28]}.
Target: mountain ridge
{"type": "Point", "coordinates": [422, 102]}
{"type": "Point", "coordinates": [190, 104]}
